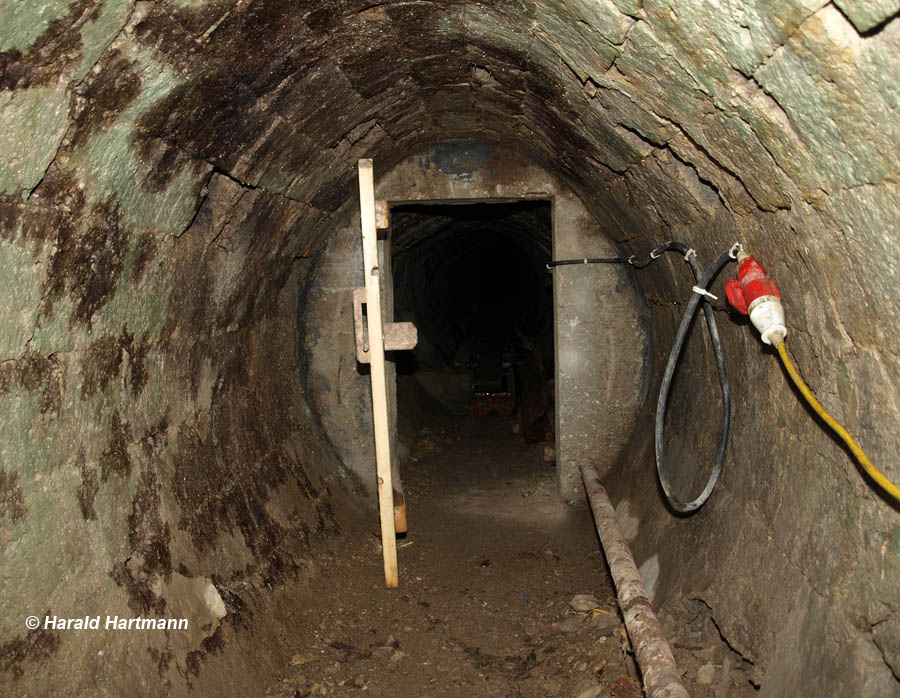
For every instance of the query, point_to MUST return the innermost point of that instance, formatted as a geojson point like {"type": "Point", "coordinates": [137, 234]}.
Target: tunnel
{"type": "Point", "coordinates": [473, 280]}
{"type": "Point", "coordinates": [186, 432]}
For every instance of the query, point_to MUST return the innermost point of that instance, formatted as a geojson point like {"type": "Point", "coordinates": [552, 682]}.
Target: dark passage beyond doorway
{"type": "Point", "coordinates": [473, 279]}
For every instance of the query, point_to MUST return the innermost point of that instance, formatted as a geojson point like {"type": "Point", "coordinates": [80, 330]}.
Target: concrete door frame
{"type": "Point", "coordinates": [601, 344]}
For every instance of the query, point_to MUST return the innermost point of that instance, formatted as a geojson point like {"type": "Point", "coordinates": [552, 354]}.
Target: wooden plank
{"type": "Point", "coordinates": [400, 512]}
{"type": "Point", "coordinates": [382, 217]}
{"type": "Point", "coordinates": [376, 361]}
{"type": "Point", "coordinates": [398, 336]}
{"type": "Point", "coordinates": [359, 322]}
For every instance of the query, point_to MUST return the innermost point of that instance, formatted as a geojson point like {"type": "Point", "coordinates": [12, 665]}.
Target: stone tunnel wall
{"type": "Point", "coordinates": [156, 454]}
{"type": "Point", "coordinates": [168, 169]}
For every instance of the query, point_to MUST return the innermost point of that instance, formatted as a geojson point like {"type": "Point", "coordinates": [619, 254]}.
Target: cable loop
{"type": "Point", "coordinates": [702, 280]}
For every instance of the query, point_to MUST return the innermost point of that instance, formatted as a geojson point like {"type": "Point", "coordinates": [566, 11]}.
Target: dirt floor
{"type": "Point", "coordinates": [503, 589]}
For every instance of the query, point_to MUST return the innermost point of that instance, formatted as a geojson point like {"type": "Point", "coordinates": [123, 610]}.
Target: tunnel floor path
{"type": "Point", "coordinates": [488, 572]}
{"type": "Point", "coordinates": [491, 563]}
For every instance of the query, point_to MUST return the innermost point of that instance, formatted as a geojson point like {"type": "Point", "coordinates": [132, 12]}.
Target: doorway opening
{"type": "Point", "coordinates": [473, 279]}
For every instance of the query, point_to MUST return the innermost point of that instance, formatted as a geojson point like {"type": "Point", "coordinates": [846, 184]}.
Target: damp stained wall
{"type": "Point", "coordinates": [164, 190]}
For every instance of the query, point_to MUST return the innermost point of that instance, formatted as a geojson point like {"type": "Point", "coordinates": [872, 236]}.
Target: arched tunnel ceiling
{"type": "Point", "coordinates": [658, 112]}
{"type": "Point", "coordinates": [751, 100]}
{"type": "Point", "coordinates": [527, 222]}
{"type": "Point", "coordinates": [269, 92]}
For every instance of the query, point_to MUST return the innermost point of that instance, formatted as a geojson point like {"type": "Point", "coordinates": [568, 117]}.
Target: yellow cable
{"type": "Point", "coordinates": [863, 459]}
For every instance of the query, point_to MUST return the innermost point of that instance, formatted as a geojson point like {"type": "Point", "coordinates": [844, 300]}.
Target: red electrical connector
{"type": "Point", "coordinates": [754, 293]}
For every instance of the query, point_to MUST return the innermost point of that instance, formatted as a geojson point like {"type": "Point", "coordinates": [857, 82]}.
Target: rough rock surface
{"type": "Point", "coordinates": [168, 169]}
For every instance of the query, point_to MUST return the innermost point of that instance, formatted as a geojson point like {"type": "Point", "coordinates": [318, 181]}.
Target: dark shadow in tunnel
{"type": "Point", "coordinates": [473, 279]}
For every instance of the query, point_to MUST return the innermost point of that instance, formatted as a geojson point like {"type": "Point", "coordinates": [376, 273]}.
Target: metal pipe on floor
{"type": "Point", "coordinates": [651, 650]}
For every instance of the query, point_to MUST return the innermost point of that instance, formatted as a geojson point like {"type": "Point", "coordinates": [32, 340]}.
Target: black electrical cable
{"type": "Point", "coordinates": [588, 260]}
{"type": "Point", "coordinates": [699, 294]}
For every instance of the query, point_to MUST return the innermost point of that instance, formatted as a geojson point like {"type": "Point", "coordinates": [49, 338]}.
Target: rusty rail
{"type": "Point", "coordinates": [651, 650]}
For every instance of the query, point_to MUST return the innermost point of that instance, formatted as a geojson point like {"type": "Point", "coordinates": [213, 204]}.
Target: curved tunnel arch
{"type": "Point", "coordinates": [166, 191]}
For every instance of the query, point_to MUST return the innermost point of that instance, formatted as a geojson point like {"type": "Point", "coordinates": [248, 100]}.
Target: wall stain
{"type": "Point", "coordinates": [189, 310]}
{"type": "Point", "coordinates": [160, 30]}
{"type": "Point", "coordinates": [32, 373]}
{"type": "Point", "coordinates": [116, 458]}
{"type": "Point", "coordinates": [37, 645]}
{"type": "Point", "coordinates": [137, 361]}
{"type": "Point", "coordinates": [149, 537]}
{"type": "Point", "coordinates": [34, 221]}
{"type": "Point", "coordinates": [38, 221]}
{"type": "Point", "coordinates": [162, 659]}
{"type": "Point", "coordinates": [146, 251]}
{"type": "Point", "coordinates": [196, 20]}
{"type": "Point", "coordinates": [103, 97]}
{"type": "Point", "coordinates": [167, 162]}
{"type": "Point", "coordinates": [223, 480]}
{"type": "Point", "coordinates": [215, 115]}
{"type": "Point", "coordinates": [12, 211]}
{"type": "Point", "coordinates": [152, 440]}
{"type": "Point", "coordinates": [12, 504]}
{"type": "Point", "coordinates": [278, 25]}
{"type": "Point", "coordinates": [214, 644]}
{"type": "Point", "coordinates": [87, 262]}
{"type": "Point", "coordinates": [90, 485]}
{"type": "Point", "coordinates": [43, 61]}
{"type": "Point", "coordinates": [51, 398]}
{"type": "Point", "coordinates": [103, 360]}
{"type": "Point", "coordinates": [209, 117]}
{"type": "Point", "coordinates": [239, 614]}
{"type": "Point", "coordinates": [254, 291]}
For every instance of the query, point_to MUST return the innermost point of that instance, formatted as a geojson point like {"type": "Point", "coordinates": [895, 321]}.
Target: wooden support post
{"type": "Point", "coordinates": [376, 362]}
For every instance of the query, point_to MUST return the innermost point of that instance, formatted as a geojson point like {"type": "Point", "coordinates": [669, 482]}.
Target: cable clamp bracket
{"type": "Point", "coordinates": [631, 259]}
{"type": "Point", "coordinates": [735, 248]}
{"type": "Point", "coordinates": [704, 292]}
{"type": "Point", "coordinates": [690, 253]}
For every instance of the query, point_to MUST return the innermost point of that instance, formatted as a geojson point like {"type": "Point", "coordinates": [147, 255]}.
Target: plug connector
{"type": "Point", "coordinates": [753, 293]}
